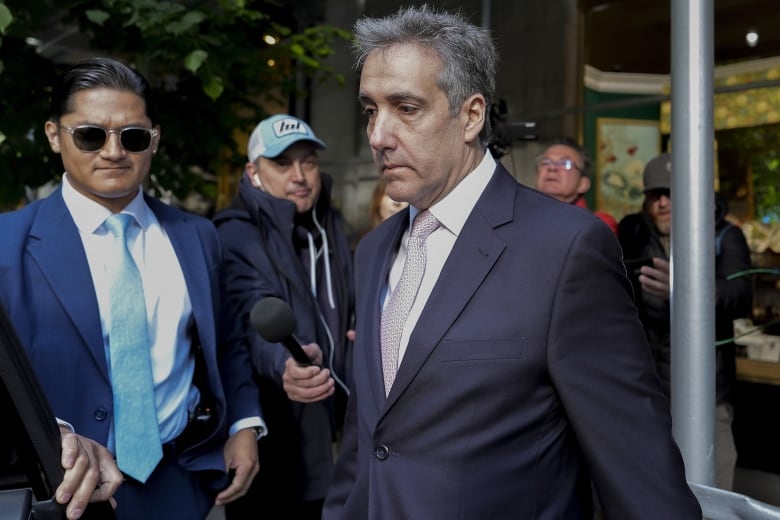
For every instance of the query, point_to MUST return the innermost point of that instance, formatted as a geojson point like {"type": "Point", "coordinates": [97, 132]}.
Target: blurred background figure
{"type": "Point", "coordinates": [382, 206]}
{"type": "Point", "coordinates": [646, 241]}
{"type": "Point", "coordinates": [563, 172]}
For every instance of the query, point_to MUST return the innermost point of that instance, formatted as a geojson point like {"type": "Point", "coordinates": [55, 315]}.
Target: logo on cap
{"type": "Point", "coordinates": [285, 127]}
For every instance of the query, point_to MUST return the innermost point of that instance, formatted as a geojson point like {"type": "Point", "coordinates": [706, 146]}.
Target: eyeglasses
{"type": "Point", "coordinates": [91, 138]}
{"type": "Point", "coordinates": [566, 164]}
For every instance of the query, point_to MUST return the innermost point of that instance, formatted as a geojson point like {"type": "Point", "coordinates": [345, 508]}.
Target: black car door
{"type": "Point", "coordinates": [30, 468]}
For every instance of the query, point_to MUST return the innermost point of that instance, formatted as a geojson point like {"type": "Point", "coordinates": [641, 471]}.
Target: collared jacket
{"type": "Point", "coordinates": [47, 288]}
{"type": "Point", "coordinates": [526, 380]}
{"type": "Point", "coordinates": [266, 254]}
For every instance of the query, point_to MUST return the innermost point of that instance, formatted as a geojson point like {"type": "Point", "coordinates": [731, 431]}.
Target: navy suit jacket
{"type": "Point", "coordinates": [46, 286]}
{"type": "Point", "coordinates": [527, 375]}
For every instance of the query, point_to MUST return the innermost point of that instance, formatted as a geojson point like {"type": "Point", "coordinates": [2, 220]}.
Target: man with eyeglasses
{"type": "Point", "coordinates": [282, 238]}
{"type": "Point", "coordinates": [646, 241]}
{"type": "Point", "coordinates": [563, 172]}
{"type": "Point", "coordinates": [116, 298]}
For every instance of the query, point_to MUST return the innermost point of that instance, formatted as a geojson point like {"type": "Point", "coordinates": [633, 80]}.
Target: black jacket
{"type": "Point", "coordinates": [733, 298]}
{"type": "Point", "coordinates": [264, 241]}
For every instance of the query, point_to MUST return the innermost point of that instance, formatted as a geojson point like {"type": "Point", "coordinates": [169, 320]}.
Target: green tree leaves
{"type": "Point", "coordinates": [215, 65]}
{"type": "Point", "coordinates": [5, 18]}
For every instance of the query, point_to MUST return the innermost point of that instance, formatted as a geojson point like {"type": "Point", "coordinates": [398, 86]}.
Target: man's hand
{"type": "Point", "coordinates": [241, 458]}
{"type": "Point", "coordinates": [91, 475]}
{"type": "Point", "coordinates": [308, 384]}
{"type": "Point", "coordinates": [655, 279]}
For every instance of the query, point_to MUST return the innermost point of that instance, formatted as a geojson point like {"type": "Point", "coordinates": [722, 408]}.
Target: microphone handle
{"type": "Point", "coordinates": [293, 346]}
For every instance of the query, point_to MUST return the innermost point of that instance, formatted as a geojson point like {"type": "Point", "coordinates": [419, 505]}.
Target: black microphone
{"type": "Point", "coordinates": [273, 319]}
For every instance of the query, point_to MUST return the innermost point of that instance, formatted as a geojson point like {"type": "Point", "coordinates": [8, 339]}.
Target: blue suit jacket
{"type": "Point", "coordinates": [527, 375]}
{"type": "Point", "coordinates": [46, 286]}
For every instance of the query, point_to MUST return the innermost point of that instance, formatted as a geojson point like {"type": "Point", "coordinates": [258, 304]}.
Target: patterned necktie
{"type": "Point", "coordinates": [136, 431]}
{"type": "Point", "coordinates": [401, 299]}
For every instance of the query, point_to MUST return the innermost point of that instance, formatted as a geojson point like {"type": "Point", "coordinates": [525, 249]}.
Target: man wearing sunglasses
{"type": "Point", "coordinates": [646, 241]}
{"type": "Point", "coordinates": [563, 172]}
{"type": "Point", "coordinates": [112, 317]}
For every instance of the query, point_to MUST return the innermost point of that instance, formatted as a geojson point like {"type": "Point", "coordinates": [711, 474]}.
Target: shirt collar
{"type": "Point", "coordinates": [90, 215]}
{"type": "Point", "coordinates": [449, 211]}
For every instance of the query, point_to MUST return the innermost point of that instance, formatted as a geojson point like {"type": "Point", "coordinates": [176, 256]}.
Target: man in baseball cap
{"type": "Point", "coordinates": [645, 239]}
{"type": "Point", "coordinates": [282, 153]}
{"type": "Point", "coordinates": [281, 237]}
{"type": "Point", "coordinates": [657, 179]}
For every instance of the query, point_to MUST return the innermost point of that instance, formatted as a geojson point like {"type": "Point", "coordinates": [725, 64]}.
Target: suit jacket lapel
{"type": "Point", "coordinates": [56, 248]}
{"type": "Point", "coordinates": [476, 250]}
{"type": "Point", "coordinates": [380, 270]}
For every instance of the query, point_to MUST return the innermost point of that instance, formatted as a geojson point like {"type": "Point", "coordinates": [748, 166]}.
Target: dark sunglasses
{"type": "Point", "coordinates": [656, 193]}
{"type": "Point", "coordinates": [91, 138]}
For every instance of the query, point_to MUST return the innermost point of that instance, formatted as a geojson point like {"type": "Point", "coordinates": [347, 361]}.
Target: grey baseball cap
{"type": "Point", "coordinates": [658, 173]}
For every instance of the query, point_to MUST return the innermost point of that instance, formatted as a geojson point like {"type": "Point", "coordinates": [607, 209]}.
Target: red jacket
{"type": "Point", "coordinates": [606, 217]}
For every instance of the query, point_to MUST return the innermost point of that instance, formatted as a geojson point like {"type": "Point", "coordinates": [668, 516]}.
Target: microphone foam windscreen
{"type": "Point", "coordinates": [273, 319]}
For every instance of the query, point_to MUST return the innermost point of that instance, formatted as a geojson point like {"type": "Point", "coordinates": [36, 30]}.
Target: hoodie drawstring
{"type": "Point", "coordinates": [314, 255]}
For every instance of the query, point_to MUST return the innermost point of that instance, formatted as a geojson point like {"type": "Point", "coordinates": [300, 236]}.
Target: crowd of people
{"type": "Point", "coordinates": [489, 350]}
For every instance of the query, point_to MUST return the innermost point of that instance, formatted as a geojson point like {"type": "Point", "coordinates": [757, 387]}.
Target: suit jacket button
{"type": "Point", "coordinates": [100, 414]}
{"type": "Point", "coordinates": [381, 452]}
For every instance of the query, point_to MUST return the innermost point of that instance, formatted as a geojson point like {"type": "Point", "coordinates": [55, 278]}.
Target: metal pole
{"type": "Point", "coordinates": [693, 230]}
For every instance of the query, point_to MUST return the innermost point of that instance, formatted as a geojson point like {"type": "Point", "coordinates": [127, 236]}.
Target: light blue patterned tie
{"type": "Point", "coordinates": [136, 431]}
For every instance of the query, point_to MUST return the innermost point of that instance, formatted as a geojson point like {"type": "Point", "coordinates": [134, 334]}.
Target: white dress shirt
{"type": "Point", "coordinates": [451, 212]}
{"type": "Point", "coordinates": [168, 306]}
